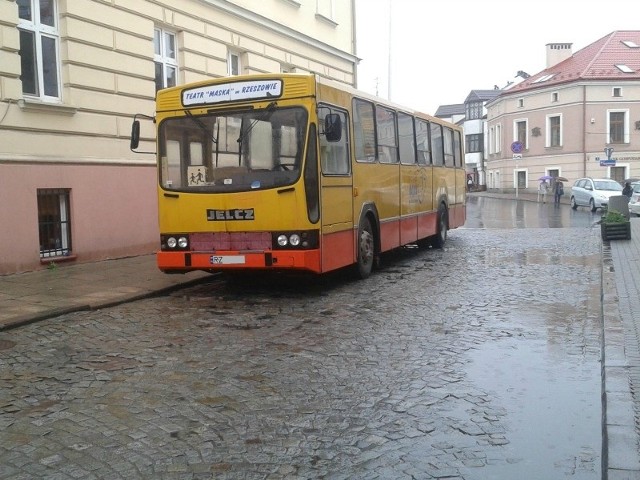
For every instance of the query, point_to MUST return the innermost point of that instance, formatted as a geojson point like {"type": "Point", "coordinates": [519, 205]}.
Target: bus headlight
{"type": "Point", "coordinates": [282, 240]}
{"type": "Point", "coordinates": [171, 242]}
{"type": "Point", "coordinates": [183, 242]}
{"type": "Point", "coordinates": [294, 240]}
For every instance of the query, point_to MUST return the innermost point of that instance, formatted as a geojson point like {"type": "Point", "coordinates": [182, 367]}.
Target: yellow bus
{"type": "Point", "coordinates": [296, 172]}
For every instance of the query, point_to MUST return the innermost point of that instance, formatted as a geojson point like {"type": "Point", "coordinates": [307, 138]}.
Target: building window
{"type": "Point", "coordinates": [617, 91]}
{"type": "Point", "coordinates": [520, 102]}
{"type": "Point", "coordinates": [54, 222]}
{"type": "Point", "coordinates": [234, 66]}
{"type": "Point", "coordinates": [554, 130]}
{"type": "Point", "coordinates": [473, 110]}
{"type": "Point", "coordinates": [554, 97]}
{"type": "Point", "coordinates": [473, 143]}
{"type": "Point", "coordinates": [325, 8]}
{"type": "Point", "coordinates": [39, 40]}
{"type": "Point", "coordinates": [520, 132]}
{"type": "Point", "coordinates": [498, 145]}
{"type": "Point", "coordinates": [618, 127]}
{"type": "Point", "coordinates": [164, 46]}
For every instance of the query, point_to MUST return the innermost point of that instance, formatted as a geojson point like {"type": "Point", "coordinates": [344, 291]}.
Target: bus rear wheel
{"type": "Point", "coordinates": [366, 249]}
{"type": "Point", "coordinates": [440, 238]}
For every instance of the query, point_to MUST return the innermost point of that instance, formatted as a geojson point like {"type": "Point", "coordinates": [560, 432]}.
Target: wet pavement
{"type": "Point", "coordinates": [339, 379]}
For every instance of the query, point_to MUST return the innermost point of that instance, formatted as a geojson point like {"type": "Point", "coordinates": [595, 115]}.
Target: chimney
{"type": "Point", "coordinates": [557, 52]}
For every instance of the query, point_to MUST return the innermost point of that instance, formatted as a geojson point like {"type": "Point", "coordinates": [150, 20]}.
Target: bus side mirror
{"type": "Point", "coordinates": [135, 135]}
{"type": "Point", "coordinates": [333, 127]}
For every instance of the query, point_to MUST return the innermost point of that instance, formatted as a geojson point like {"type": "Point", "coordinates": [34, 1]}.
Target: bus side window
{"type": "Point", "coordinates": [364, 133]}
{"type": "Point", "coordinates": [334, 156]}
{"type": "Point", "coordinates": [422, 142]}
{"type": "Point", "coordinates": [436, 144]}
{"type": "Point", "coordinates": [457, 148]}
{"type": "Point", "coordinates": [407, 139]}
{"type": "Point", "coordinates": [387, 135]}
{"type": "Point", "coordinates": [448, 147]}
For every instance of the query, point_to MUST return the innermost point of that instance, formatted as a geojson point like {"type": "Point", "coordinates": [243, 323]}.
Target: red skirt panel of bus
{"type": "Point", "coordinates": [457, 216]}
{"type": "Point", "coordinates": [338, 250]}
{"type": "Point", "coordinates": [427, 225]}
{"type": "Point", "coordinates": [281, 259]}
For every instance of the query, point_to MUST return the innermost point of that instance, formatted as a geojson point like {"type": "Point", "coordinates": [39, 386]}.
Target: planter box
{"type": "Point", "coordinates": [616, 231]}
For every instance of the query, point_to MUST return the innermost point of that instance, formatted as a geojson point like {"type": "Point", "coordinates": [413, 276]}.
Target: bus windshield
{"type": "Point", "coordinates": [232, 151]}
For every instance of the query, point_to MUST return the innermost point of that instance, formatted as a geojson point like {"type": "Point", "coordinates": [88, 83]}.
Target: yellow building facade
{"type": "Point", "coordinates": [73, 73]}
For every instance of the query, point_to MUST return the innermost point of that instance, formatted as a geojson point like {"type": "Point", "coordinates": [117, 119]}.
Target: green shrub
{"type": "Point", "coordinates": [613, 216]}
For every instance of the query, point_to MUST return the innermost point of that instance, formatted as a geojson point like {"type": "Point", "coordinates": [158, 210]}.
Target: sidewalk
{"type": "Point", "coordinates": [33, 296]}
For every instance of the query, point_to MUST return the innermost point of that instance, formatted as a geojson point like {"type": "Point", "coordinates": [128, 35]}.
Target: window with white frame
{"type": "Point", "coordinates": [234, 64]}
{"type": "Point", "coordinates": [498, 147]}
{"type": "Point", "coordinates": [554, 130]}
{"type": "Point", "coordinates": [617, 91]}
{"type": "Point", "coordinates": [39, 39]}
{"type": "Point", "coordinates": [520, 132]}
{"type": "Point", "coordinates": [325, 8]}
{"type": "Point", "coordinates": [474, 143]}
{"type": "Point", "coordinates": [165, 58]}
{"type": "Point", "coordinates": [618, 126]}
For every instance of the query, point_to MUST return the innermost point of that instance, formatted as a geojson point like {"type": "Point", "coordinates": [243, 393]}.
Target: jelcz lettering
{"type": "Point", "coordinates": [230, 215]}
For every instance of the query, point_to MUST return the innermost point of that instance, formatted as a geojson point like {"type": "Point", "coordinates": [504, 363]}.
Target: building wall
{"type": "Point", "coordinates": [106, 58]}
{"type": "Point", "coordinates": [584, 108]}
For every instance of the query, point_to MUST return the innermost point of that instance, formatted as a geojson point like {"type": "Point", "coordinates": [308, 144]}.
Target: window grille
{"type": "Point", "coordinates": [54, 222]}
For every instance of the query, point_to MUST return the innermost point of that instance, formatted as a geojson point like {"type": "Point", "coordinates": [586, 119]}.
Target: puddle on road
{"type": "Point", "coordinates": [553, 410]}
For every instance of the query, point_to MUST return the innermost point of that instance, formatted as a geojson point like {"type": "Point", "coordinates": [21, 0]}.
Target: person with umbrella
{"type": "Point", "coordinates": [627, 190]}
{"type": "Point", "coordinates": [543, 189]}
{"type": "Point", "coordinates": [558, 192]}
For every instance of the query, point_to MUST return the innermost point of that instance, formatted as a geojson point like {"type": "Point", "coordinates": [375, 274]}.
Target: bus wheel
{"type": "Point", "coordinates": [440, 238]}
{"type": "Point", "coordinates": [366, 248]}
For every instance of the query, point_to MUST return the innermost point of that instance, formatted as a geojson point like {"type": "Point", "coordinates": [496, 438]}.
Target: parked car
{"type": "Point", "coordinates": [634, 202]}
{"type": "Point", "coordinates": [593, 192]}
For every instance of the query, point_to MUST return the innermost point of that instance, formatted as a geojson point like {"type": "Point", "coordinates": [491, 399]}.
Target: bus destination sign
{"type": "Point", "coordinates": [230, 92]}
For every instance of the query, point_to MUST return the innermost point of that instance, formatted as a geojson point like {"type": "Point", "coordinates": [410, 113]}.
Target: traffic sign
{"type": "Point", "coordinates": [517, 156]}
{"type": "Point", "coordinates": [607, 163]}
{"type": "Point", "coordinates": [517, 147]}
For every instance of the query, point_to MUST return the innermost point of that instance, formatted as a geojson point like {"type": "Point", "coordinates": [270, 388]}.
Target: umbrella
{"type": "Point", "coordinates": [561, 179]}
{"type": "Point", "coordinates": [545, 177]}
{"type": "Point", "coordinates": [631, 180]}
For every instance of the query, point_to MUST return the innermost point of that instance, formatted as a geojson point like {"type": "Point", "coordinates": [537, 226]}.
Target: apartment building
{"type": "Point", "coordinates": [578, 117]}
{"type": "Point", "coordinates": [74, 73]}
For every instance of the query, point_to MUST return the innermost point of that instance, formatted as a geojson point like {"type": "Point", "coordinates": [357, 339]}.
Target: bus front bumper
{"type": "Point", "coordinates": [182, 262]}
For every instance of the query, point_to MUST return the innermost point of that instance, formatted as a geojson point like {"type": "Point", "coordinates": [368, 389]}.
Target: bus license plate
{"type": "Point", "coordinates": [227, 260]}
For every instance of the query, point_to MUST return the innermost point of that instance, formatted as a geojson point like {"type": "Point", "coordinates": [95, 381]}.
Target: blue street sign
{"type": "Point", "coordinates": [517, 147]}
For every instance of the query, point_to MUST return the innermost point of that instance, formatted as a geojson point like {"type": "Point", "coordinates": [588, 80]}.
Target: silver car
{"type": "Point", "coordinates": [593, 192]}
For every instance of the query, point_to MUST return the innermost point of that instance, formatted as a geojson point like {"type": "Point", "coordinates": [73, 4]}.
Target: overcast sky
{"type": "Point", "coordinates": [443, 49]}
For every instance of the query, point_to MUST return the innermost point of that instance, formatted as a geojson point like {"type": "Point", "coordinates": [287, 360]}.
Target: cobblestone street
{"type": "Point", "coordinates": [477, 362]}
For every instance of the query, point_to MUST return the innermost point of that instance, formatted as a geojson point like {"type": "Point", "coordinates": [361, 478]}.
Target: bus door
{"type": "Point", "coordinates": [336, 184]}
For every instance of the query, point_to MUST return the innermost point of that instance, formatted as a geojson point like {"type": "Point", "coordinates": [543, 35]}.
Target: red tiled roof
{"type": "Point", "coordinates": [594, 62]}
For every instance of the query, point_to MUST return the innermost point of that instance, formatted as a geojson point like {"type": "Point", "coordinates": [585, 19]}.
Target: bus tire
{"type": "Point", "coordinates": [440, 238]}
{"type": "Point", "coordinates": [366, 248]}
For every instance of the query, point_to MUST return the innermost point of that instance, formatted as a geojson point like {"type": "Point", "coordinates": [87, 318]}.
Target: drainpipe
{"type": "Point", "coordinates": [584, 130]}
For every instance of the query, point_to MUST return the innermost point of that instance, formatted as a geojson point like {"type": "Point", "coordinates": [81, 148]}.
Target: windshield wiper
{"type": "Point", "coordinates": [266, 113]}
{"type": "Point", "coordinates": [202, 126]}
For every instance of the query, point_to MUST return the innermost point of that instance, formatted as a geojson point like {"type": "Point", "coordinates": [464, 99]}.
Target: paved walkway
{"type": "Point", "coordinates": [33, 296]}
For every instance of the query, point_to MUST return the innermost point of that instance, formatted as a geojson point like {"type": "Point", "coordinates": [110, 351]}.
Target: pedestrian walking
{"type": "Point", "coordinates": [543, 189]}
{"type": "Point", "coordinates": [469, 183]}
{"type": "Point", "coordinates": [558, 192]}
{"type": "Point", "coordinates": [627, 191]}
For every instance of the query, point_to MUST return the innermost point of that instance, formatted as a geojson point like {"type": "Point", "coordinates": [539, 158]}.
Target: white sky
{"type": "Point", "coordinates": [443, 49]}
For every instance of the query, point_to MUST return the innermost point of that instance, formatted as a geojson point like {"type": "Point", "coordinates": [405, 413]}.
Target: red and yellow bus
{"type": "Point", "coordinates": [296, 172]}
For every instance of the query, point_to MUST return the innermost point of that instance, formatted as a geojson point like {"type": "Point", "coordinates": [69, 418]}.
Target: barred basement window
{"type": "Point", "coordinates": [54, 222]}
